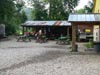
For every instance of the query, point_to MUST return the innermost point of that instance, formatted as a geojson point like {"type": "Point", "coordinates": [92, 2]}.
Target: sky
{"type": "Point", "coordinates": [82, 3]}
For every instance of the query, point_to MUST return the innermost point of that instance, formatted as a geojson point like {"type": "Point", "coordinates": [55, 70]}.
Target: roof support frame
{"type": "Point", "coordinates": [74, 21]}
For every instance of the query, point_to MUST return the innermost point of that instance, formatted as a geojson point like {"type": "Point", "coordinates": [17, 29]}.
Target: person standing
{"type": "Point", "coordinates": [40, 36]}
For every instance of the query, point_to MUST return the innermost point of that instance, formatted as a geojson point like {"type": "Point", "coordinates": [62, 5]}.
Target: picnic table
{"type": "Point", "coordinates": [23, 38]}
{"type": "Point", "coordinates": [44, 38]}
{"type": "Point", "coordinates": [63, 40]}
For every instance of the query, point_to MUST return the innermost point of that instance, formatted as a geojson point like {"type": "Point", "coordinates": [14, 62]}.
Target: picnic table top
{"type": "Point", "coordinates": [62, 38]}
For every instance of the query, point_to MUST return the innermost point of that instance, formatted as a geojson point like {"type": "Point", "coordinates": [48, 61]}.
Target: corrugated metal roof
{"type": "Point", "coordinates": [46, 23]}
{"type": "Point", "coordinates": [84, 17]}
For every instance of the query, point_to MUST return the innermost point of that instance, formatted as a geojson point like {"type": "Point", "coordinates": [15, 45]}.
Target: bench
{"type": "Point", "coordinates": [23, 38]}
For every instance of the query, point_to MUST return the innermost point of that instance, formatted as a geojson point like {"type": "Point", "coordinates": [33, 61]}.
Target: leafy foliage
{"type": "Point", "coordinates": [70, 5]}
{"type": "Point", "coordinates": [39, 12]}
{"type": "Point", "coordinates": [10, 15]}
{"type": "Point", "coordinates": [89, 7]}
{"type": "Point", "coordinates": [57, 10]}
{"type": "Point", "coordinates": [80, 11]}
{"type": "Point", "coordinates": [23, 17]}
{"type": "Point", "coordinates": [6, 10]}
{"type": "Point", "coordinates": [89, 44]}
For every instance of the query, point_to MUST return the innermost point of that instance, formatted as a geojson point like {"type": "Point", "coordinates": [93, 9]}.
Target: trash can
{"type": "Point", "coordinates": [97, 46]}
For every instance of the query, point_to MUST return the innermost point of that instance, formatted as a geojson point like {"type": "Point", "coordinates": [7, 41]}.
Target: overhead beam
{"type": "Point", "coordinates": [86, 23]}
{"type": "Point", "coordinates": [99, 33]}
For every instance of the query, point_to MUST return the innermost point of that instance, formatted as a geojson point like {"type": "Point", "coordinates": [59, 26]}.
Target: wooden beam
{"type": "Point", "coordinates": [67, 31]}
{"type": "Point", "coordinates": [23, 30]}
{"type": "Point", "coordinates": [74, 49]}
{"type": "Point", "coordinates": [86, 23]}
{"type": "Point", "coordinates": [26, 29]}
{"type": "Point", "coordinates": [99, 33]}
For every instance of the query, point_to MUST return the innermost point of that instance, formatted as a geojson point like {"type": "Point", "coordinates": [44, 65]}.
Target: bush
{"type": "Point", "coordinates": [89, 44]}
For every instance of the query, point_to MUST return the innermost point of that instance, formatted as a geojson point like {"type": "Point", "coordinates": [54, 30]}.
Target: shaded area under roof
{"type": "Point", "coordinates": [46, 23]}
{"type": "Point", "coordinates": [93, 18]}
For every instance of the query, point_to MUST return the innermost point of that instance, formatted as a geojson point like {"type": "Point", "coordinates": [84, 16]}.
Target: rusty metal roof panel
{"type": "Point", "coordinates": [65, 23]}
{"type": "Point", "coordinates": [57, 23]}
{"type": "Point", "coordinates": [50, 23]}
{"type": "Point", "coordinates": [46, 23]}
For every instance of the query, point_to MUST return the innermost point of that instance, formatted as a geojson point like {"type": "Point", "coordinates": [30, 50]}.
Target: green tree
{"type": "Point", "coordinates": [6, 10]}
{"type": "Point", "coordinates": [58, 9]}
{"type": "Point", "coordinates": [10, 14]}
{"type": "Point", "coordinates": [23, 17]}
{"type": "Point", "coordinates": [19, 6]}
{"type": "Point", "coordinates": [69, 5]}
{"type": "Point", "coordinates": [61, 8]}
{"type": "Point", "coordinates": [80, 11]}
{"type": "Point", "coordinates": [89, 7]}
{"type": "Point", "coordinates": [39, 12]}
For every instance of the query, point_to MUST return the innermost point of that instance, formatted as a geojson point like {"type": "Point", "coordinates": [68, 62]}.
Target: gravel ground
{"type": "Point", "coordinates": [30, 58]}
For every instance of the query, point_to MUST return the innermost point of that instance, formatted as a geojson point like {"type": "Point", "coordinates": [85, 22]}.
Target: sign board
{"type": "Point", "coordinates": [87, 30]}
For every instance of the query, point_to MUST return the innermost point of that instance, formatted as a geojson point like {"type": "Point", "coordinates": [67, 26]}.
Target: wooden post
{"type": "Point", "coordinates": [33, 28]}
{"type": "Point", "coordinates": [99, 33]}
{"type": "Point", "coordinates": [68, 31]}
{"type": "Point", "coordinates": [26, 29]}
{"type": "Point", "coordinates": [23, 30]}
{"type": "Point", "coordinates": [74, 38]}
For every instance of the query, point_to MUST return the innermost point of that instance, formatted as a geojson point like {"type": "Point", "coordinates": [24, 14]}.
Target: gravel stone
{"type": "Point", "coordinates": [31, 58]}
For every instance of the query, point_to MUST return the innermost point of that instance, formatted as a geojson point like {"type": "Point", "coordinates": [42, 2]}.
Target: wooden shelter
{"type": "Point", "coordinates": [82, 19]}
{"type": "Point", "coordinates": [56, 27]}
